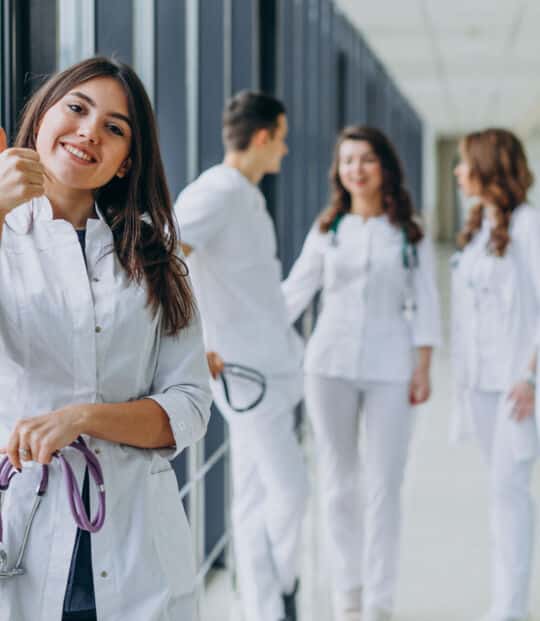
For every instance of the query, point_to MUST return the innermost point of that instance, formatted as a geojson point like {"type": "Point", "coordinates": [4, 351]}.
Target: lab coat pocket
{"type": "Point", "coordinates": [171, 533]}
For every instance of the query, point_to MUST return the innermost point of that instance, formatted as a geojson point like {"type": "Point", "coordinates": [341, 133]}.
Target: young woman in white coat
{"type": "Point", "coordinates": [496, 300]}
{"type": "Point", "coordinates": [100, 339]}
{"type": "Point", "coordinates": [371, 350]}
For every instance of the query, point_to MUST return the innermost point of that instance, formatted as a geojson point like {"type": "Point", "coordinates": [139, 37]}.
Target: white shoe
{"type": "Point", "coordinates": [348, 605]}
{"type": "Point", "coordinates": [377, 614]}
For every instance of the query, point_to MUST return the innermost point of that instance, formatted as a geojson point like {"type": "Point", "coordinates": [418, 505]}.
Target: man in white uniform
{"type": "Point", "coordinates": [230, 240]}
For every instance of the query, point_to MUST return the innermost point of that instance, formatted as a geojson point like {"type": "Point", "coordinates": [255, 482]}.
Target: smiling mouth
{"type": "Point", "coordinates": [78, 154]}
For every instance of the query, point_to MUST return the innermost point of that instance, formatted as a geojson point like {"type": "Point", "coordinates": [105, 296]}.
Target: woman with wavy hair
{"type": "Point", "coordinates": [496, 299]}
{"type": "Point", "coordinates": [372, 348]}
{"type": "Point", "coordinates": [99, 339]}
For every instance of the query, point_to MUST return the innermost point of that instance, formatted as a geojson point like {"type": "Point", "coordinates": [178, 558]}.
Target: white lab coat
{"type": "Point", "coordinates": [361, 331]}
{"type": "Point", "coordinates": [362, 352]}
{"type": "Point", "coordinates": [77, 335]}
{"type": "Point", "coordinates": [495, 317]}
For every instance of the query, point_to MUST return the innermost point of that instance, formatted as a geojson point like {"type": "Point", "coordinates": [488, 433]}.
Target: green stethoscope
{"type": "Point", "coordinates": [409, 258]}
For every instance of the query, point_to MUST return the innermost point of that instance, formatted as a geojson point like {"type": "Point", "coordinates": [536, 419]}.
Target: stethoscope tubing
{"type": "Point", "coordinates": [76, 502]}
{"type": "Point", "coordinates": [240, 370]}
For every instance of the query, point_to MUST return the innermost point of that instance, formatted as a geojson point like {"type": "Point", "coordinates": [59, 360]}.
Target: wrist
{"type": "Point", "coordinates": [80, 417]}
{"type": "Point", "coordinates": [530, 378]}
{"type": "Point", "coordinates": [422, 367]}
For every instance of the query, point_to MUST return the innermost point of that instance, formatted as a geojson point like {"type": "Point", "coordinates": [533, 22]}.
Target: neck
{"type": "Point", "coordinates": [75, 206]}
{"type": "Point", "coordinates": [246, 164]}
{"type": "Point", "coordinates": [367, 207]}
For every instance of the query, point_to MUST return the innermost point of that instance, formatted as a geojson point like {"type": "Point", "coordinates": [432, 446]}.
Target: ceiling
{"type": "Point", "coordinates": [464, 64]}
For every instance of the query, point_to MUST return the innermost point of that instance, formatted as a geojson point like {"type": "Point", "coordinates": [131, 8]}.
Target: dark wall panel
{"type": "Point", "coordinates": [114, 29]}
{"type": "Point", "coordinates": [42, 52]}
{"type": "Point", "coordinates": [327, 99]}
{"type": "Point", "coordinates": [244, 40]}
{"type": "Point", "coordinates": [214, 483]}
{"type": "Point", "coordinates": [211, 81]}
{"type": "Point", "coordinates": [171, 89]}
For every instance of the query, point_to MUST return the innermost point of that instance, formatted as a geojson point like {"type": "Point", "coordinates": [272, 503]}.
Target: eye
{"type": "Point", "coordinates": [75, 108]}
{"type": "Point", "coordinates": [117, 131]}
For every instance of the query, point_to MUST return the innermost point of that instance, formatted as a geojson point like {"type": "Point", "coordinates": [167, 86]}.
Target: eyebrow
{"type": "Point", "coordinates": [91, 102]}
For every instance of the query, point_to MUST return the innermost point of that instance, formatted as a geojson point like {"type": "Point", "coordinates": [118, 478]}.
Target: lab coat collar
{"type": "Point", "coordinates": [21, 219]}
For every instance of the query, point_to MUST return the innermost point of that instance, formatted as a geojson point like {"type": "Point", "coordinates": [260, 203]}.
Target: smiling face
{"type": "Point", "coordinates": [84, 139]}
{"type": "Point", "coordinates": [359, 169]}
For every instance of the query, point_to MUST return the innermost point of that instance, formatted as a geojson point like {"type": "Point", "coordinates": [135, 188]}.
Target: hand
{"type": "Point", "coordinates": [42, 436]}
{"type": "Point", "coordinates": [215, 364]}
{"type": "Point", "coordinates": [420, 387]}
{"type": "Point", "coordinates": [522, 394]}
{"type": "Point", "coordinates": [22, 176]}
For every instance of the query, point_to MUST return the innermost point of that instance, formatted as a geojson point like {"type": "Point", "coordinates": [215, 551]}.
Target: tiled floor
{"type": "Point", "coordinates": [445, 550]}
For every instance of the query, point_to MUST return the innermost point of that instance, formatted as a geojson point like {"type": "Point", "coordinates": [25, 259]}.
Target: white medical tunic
{"type": "Point", "coordinates": [237, 275]}
{"type": "Point", "coordinates": [495, 317]}
{"type": "Point", "coordinates": [362, 333]}
{"type": "Point", "coordinates": [76, 333]}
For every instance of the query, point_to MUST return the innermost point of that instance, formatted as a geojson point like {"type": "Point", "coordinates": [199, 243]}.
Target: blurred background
{"type": "Point", "coordinates": [424, 71]}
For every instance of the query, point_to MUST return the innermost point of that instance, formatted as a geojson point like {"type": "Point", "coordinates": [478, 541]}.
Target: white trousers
{"type": "Point", "coordinates": [270, 492]}
{"type": "Point", "coordinates": [512, 510]}
{"type": "Point", "coordinates": [363, 528]}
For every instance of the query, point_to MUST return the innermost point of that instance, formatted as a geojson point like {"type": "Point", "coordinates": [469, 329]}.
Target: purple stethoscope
{"type": "Point", "coordinates": [81, 517]}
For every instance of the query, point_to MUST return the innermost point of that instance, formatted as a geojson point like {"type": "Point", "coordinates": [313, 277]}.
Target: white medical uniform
{"type": "Point", "coordinates": [362, 350]}
{"type": "Point", "coordinates": [496, 314]}
{"type": "Point", "coordinates": [76, 333]}
{"type": "Point", "coordinates": [236, 276]}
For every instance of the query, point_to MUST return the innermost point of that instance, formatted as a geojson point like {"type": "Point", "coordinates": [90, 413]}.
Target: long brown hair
{"type": "Point", "coordinates": [498, 164]}
{"type": "Point", "coordinates": [146, 247]}
{"type": "Point", "coordinates": [397, 202]}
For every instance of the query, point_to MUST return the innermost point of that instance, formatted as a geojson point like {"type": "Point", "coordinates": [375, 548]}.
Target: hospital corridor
{"type": "Point", "coordinates": [269, 310]}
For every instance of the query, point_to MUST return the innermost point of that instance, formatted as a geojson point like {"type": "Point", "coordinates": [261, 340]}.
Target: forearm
{"type": "Point", "coordinates": [3, 214]}
{"type": "Point", "coordinates": [142, 423]}
{"type": "Point", "coordinates": [423, 357]}
{"type": "Point", "coordinates": [533, 363]}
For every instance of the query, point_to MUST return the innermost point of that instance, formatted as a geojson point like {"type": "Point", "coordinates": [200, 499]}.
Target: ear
{"type": "Point", "coordinates": [260, 137]}
{"type": "Point", "coordinates": [124, 168]}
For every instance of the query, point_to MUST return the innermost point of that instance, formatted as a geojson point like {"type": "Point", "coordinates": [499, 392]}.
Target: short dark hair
{"type": "Point", "coordinates": [246, 113]}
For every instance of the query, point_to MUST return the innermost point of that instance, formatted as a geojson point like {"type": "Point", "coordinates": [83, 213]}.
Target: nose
{"type": "Point", "coordinates": [89, 131]}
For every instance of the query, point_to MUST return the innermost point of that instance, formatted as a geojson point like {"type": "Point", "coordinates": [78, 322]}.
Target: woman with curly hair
{"type": "Point", "coordinates": [372, 348]}
{"type": "Point", "coordinates": [496, 301]}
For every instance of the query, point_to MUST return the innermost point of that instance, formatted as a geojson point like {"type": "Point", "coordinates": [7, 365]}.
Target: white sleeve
{"type": "Point", "coordinates": [427, 320]}
{"type": "Point", "coordinates": [181, 385]}
{"type": "Point", "coordinates": [527, 234]}
{"type": "Point", "coordinates": [306, 275]}
{"type": "Point", "coordinates": [201, 215]}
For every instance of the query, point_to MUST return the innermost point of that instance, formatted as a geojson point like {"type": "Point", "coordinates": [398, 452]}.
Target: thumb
{"type": "Point", "coordinates": [3, 140]}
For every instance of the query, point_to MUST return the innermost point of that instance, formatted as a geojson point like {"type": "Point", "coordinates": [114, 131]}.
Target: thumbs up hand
{"type": "Point", "coordinates": [3, 140]}
{"type": "Point", "coordinates": [22, 176]}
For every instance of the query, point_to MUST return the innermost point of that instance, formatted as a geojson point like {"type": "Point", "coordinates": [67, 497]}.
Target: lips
{"type": "Point", "coordinates": [79, 154]}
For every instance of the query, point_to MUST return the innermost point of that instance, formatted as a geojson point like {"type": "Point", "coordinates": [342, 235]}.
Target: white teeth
{"type": "Point", "coordinates": [77, 153]}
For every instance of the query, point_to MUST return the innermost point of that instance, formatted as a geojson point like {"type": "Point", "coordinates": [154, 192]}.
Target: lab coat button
{"type": "Point", "coordinates": [104, 574]}
{"type": "Point", "coordinates": [95, 279]}
{"type": "Point", "coordinates": [97, 451]}
{"type": "Point", "coordinates": [98, 329]}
